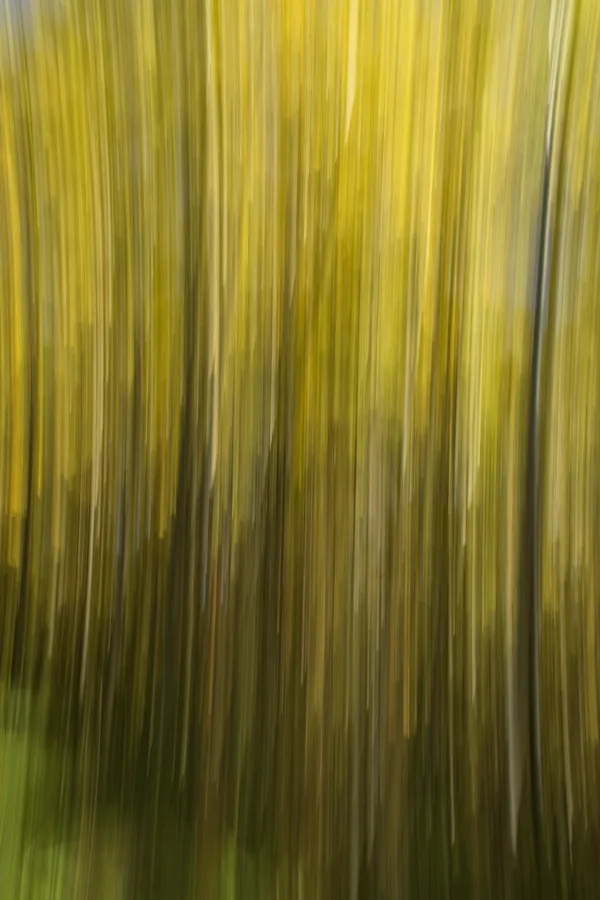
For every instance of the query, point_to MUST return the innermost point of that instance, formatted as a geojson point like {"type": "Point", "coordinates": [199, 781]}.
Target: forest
{"type": "Point", "coordinates": [299, 482]}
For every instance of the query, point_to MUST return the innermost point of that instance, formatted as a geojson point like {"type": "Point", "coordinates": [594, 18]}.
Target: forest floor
{"type": "Point", "coordinates": [44, 855]}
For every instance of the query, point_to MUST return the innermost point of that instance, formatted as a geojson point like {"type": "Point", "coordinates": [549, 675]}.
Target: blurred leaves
{"type": "Point", "coordinates": [266, 328]}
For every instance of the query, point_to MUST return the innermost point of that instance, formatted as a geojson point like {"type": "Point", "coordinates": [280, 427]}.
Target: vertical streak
{"type": "Point", "coordinates": [530, 611]}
